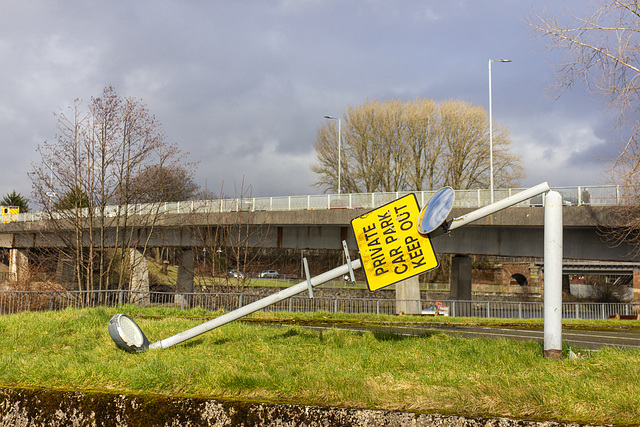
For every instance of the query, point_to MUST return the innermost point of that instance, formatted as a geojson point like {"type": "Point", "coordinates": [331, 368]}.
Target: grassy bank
{"type": "Point", "coordinates": [71, 350]}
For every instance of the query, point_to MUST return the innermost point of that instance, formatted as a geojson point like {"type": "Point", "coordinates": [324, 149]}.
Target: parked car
{"type": "Point", "coordinates": [232, 272]}
{"type": "Point", "coordinates": [269, 274]}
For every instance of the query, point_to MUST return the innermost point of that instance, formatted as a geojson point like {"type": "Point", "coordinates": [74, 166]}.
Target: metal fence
{"type": "Point", "coordinates": [599, 195]}
{"type": "Point", "coordinates": [17, 301]}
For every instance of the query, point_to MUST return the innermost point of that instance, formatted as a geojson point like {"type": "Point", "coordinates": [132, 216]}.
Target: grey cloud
{"type": "Point", "coordinates": [243, 86]}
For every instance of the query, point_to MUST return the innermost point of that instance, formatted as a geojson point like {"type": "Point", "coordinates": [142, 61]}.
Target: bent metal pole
{"type": "Point", "coordinates": [255, 306]}
{"type": "Point", "coordinates": [336, 272]}
{"type": "Point", "coordinates": [492, 208]}
{"type": "Point", "coordinates": [128, 335]}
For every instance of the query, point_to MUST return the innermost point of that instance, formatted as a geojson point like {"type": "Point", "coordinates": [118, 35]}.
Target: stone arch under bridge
{"type": "Point", "coordinates": [518, 274]}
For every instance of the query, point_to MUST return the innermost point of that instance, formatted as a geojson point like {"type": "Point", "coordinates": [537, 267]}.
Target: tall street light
{"type": "Point", "coordinates": [491, 124]}
{"type": "Point", "coordinates": [339, 148]}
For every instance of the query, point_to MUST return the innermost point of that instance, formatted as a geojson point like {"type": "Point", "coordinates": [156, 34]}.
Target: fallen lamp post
{"type": "Point", "coordinates": [128, 336]}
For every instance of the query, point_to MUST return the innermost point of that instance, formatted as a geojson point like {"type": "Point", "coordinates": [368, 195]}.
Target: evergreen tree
{"type": "Point", "coordinates": [15, 199]}
{"type": "Point", "coordinates": [73, 199]}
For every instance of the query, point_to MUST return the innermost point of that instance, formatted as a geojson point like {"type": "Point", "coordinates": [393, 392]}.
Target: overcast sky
{"type": "Point", "coordinates": [243, 85]}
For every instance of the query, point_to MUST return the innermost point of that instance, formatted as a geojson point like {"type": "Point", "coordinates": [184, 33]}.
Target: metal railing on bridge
{"type": "Point", "coordinates": [17, 301]}
{"type": "Point", "coordinates": [600, 195]}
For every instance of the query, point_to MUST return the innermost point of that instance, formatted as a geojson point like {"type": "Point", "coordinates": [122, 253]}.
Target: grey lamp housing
{"type": "Point", "coordinates": [434, 215]}
{"type": "Point", "coordinates": [127, 334]}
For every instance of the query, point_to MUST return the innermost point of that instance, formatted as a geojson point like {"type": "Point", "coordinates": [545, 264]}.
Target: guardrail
{"type": "Point", "coordinates": [600, 195]}
{"type": "Point", "coordinates": [17, 301]}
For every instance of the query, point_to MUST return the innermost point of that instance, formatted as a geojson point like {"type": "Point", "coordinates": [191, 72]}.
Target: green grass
{"type": "Point", "coordinates": [71, 350]}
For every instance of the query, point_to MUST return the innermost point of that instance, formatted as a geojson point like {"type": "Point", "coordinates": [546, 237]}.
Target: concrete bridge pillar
{"type": "Point", "coordinates": [66, 272]}
{"type": "Point", "coordinates": [139, 277]}
{"type": "Point", "coordinates": [184, 282]}
{"type": "Point", "coordinates": [460, 278]}
{"type": "Point", "coordinates": [566, 284]}
{"type": "Point", "coordinates": [408, 296]}
{"type": "Point", "coordinates": [18, 265]}
{"type": "Point", "coordinates": [534, 275]}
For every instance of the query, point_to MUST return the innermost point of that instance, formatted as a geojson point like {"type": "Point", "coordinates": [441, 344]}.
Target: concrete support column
{"type": "Point", "coordinates": [184, 282]}
{"type": "Point", "coordinates": [636, 285]}
{"type": "Point", "coordinates": [553, 275]}
{"type": "Point", "coordinates": [66, 272]}
{"type": "Point", "coordinates": [139, 278]}
{"type": "Point", "coordinates": [460, 278]}
{"type": "Point", "coordinates": [534, 274]}
{"type": "Point", "coordinates": [408, 296]}
{"type": "Point", "coordinates": [18, 265]}
{"type": "Point", "coordinates": [566, 284]}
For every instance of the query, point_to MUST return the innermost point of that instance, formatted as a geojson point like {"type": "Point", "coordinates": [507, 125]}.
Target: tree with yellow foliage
{"type": "Point", "coordinates": [413, 146]}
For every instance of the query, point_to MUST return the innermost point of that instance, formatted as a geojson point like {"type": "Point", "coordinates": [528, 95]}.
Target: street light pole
{"type": "Point", "coordinates": [50, 194]}
{"type": "Point", "coordinates": [491, 126]}
{"type": "Point", "coordinates": [339, 148]}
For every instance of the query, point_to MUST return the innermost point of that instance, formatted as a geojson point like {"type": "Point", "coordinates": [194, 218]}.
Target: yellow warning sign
{"type": "Point", "coordinates": [391, 249]}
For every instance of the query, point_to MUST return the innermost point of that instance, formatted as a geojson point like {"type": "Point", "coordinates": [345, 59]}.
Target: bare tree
{"type": "Point", "coordinates": [463, 133]}
{"type": "Point", "coordinates": [601, 43]}
{"type": "Point", "coordinates": [234, 238]}
{"type": "Point", "coordinates": [416, 145]}
{"type": "Point", "coordinates": [165, 184]}
{"type": "Point", "coordinates": [423, 146]}
{"type": "Point", "coordinates": [601, 50]}
{"type": "Point", "coordinates": [94, 163]}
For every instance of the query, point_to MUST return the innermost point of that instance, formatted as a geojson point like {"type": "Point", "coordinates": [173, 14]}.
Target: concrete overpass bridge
{"type": "Point", "coordinates": [515, 232]}
{"type": "Point", "coordinates": [323, 222]}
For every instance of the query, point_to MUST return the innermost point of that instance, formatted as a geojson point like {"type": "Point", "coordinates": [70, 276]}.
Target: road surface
{"type": "Point", "coordinates": [588, 339]}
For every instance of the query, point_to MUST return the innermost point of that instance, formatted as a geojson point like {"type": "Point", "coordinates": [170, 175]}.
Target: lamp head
{"type": "Point", "coordinates": [127, 334]}
{"type": "Point", "coordinates": [435, 213]}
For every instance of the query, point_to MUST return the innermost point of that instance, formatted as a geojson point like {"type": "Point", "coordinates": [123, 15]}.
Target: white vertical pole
{"type": "Point", "coordinates": [339, 154]}
{"type": "Point", "coordinates": [553, 275]}
{"type": "Point", "coordinates": [490, 136]}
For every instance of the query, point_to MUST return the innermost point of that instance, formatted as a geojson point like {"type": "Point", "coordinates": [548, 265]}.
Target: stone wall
{"type": "Point", "coordinates": [34, 408]}
{"type": "Point", "coordinates": [480, 293]}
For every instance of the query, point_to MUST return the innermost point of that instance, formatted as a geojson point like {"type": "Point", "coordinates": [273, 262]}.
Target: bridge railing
{"type": "Point", "coordinates": [17, 301]}
{"type": "Point", "coordinates": [600, 195]}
